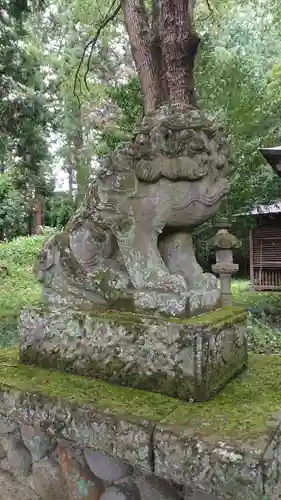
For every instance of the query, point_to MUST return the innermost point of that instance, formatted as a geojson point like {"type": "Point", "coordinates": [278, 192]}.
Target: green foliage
{"type": "Point", "coordinates": [243, 295]}
{"type": "Point", "coordinates": [12, 209]}
{"type": "Point", "coordinates": [70, 26]}
{"type": "Point", "coordinates": [264, 317]}
{"type": "Point", "coordinates": [240, 47]}
{"type": "Point", "coordinates": [58, 211]}
{"type": "Point", "coordinates": [19, 287]}
{"type": "Point", "coordinates": [263, 336]}
{"type": "Point", "coordinates": [24, 114]}
{"type": "Point", "coordinates": [127, 97]}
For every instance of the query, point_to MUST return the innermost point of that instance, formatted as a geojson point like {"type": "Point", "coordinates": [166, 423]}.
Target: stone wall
{"type": "Point", "coordinates": [68, 452]}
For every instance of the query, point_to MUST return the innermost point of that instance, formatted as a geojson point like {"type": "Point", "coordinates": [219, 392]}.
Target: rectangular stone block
{"type": "Point", "coordinates": [227, 470]}
{"type": "Point", "coordinates": [190, 359]}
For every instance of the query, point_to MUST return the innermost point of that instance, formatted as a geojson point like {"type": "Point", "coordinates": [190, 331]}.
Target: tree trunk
{"type": "Point", "coordinates": [38, 216]}
{"type": "Point", "coordinates": [179, 43]}
{"type": "Point", "coordinates": [70, 182]}
{"type": "Point", "coordinates": [137, 25]}
{"type": "Point", "coordinates": [81, 164]}
{"type": "Point", "coordinates": [164, 52]}
{"type": "Point", "coordinates": [78, 161]}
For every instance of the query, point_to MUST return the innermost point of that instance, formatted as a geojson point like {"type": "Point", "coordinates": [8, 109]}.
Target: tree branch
{"type": "Point", "coordinates": [110, 16]}
{"type": "Point", "coordinates": [211, 10]}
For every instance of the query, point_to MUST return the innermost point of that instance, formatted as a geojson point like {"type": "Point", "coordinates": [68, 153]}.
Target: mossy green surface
{"type": "Point", "coordinates": [115, 372]}
{"type": "Point", "coordinates": [240, 411]}
{"type": "Point", "coordinates": [218, 318]}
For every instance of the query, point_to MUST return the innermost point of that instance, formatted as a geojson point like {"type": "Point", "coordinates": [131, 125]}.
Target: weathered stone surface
{"type": "Point", "coordinates": [53, 417]}
{"type": "Point", "coordinates": [272, 460]}
{"type": "Point", "coordinates": [36, 441]}
{"type": "Point", "coordinates": [216, 468]}
{"type": "Point", "coordinates": [12, 489]}
{"type": "Point", "coordinates": [183, 358]}
{"type": "Point", "coordinates": [116, 437]}
{"type": "Point", "coordinates": [153, 487]}
{"type": "Point", "coordinates": [122, 492]}
{"type": "Point", "coordinates": [106, 468]}
{"type": "Point", "coordinates": [201, 496]}
{"type": "Point", "coordinates": [19, 458]}
{"type": "Point", "coordinates": [3, 452]}
{"type": "Point", "coordinates": [47, 480]}
{"type": "Point", "coordinates": [7, 426]}
{"type": "Point", "coordinates": [171, 176]}
{"type": "Point", "coordinates": [80, 481]}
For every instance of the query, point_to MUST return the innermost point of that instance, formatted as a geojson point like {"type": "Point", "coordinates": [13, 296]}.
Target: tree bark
{"type": "Point", "coordinates": [38, 216]}
{"type": "Point", "coordinates": [137, 25]}
{"type": "Point", "coordinates": [78, 162]}
{"type": "Point", "coordinates": [82, 173]}
{"type": "Point", "coordinates": [70, 182]}
{"type": "Point", "coordinates": [164, 52]}
{"type": "Point", "coordinates": [157, 54]}
{"type": "Point", "coordinates": [179, 43]}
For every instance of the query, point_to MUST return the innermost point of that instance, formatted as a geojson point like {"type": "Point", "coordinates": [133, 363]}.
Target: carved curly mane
{"type": "Point", "coordinates": [177, 143]}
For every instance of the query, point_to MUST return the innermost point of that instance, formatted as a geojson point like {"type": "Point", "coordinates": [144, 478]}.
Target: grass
{"type": "Point", "coordinates": [240, 411]}
{"type": "Point", "coordinates": [19, 287]}
{"type": "Point", "coordinates": [244, 296]}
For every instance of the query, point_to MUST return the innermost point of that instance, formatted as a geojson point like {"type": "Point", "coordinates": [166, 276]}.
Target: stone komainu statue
{"type": "Point", "coordinates": [129, 245]}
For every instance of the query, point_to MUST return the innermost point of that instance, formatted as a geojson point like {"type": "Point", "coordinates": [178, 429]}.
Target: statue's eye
{"type": "Point", "coordinates": [99, 238]}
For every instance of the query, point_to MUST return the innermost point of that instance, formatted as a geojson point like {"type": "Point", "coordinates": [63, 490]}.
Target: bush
{"type": "Point", "coordinates": [264, 320]}
{"type": "Point", "coordinates": [58, 211]}
{"type": "Point", "coordinates": [263, 337]}
{"type": "Point", "coordinates": [19, 287]}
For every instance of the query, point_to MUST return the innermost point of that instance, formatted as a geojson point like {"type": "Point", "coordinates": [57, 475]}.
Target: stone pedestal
{"type": "Point", "coordinates": [190, 359]}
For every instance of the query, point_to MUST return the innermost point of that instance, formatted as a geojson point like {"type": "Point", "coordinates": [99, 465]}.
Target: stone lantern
{"type": "Point", "coordinates": [225, 242]}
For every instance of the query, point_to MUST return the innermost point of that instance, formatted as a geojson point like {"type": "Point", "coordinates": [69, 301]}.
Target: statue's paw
{"type": "Point", "coordinates": [204, 281]}
{"type": "Point", "coordinates": [172, 283]}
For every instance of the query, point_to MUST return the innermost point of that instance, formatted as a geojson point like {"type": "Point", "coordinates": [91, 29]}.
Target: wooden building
{"type": "Point", "coordinates": [265, 248]}
{"type": "Point", "coordinates": [265, 238]}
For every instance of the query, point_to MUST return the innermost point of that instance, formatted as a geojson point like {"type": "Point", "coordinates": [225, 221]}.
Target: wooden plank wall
{"type": "Point", "coordinates": [265, 254]}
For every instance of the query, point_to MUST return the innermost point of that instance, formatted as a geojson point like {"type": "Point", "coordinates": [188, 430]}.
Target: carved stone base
{"type": "Point", "coordinates": [190, 359]}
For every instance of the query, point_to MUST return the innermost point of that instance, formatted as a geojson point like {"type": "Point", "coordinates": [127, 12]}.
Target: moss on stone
{"type": "Point", "coordinates": [222, 317]}
{"type": "Point", "coordinates": [226, 316]}
{"type": "Point", "coordinates": [114, 372]}
{"type": "Point", "coordinates": [240, 411]}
